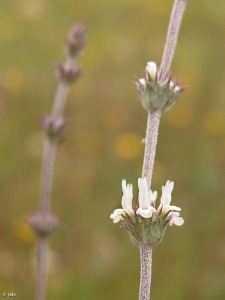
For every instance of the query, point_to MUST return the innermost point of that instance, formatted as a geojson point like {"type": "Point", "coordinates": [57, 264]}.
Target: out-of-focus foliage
{"type": "Point", "coordinates": [91, 258]}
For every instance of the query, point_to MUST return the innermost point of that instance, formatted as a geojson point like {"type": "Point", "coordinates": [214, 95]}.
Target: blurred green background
{"type": "Point", "coordinates": [91, 258]}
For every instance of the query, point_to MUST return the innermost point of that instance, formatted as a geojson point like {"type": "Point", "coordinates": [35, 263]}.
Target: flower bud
{"type": "Point", "coordinates": [76, 41]}
{"type": "Point", "coordinates": [54, 128]}
{"type": "Point", "coordinates": [151, 69]}
{"type": "Point", "coordinates": [154, 94]}
{"type": "Point", "coordinates": [68, 73]}
{"type": "Point", "coordinates": [142, 82]}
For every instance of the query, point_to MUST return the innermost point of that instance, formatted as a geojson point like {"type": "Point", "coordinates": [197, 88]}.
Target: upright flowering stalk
{"type": "Point", "coordinates": [145, 222]}
{"type": "Point", "coordinates": [43, 221]}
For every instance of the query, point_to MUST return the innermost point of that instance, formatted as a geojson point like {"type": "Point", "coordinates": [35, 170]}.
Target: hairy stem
{"type": "Point", "coordinates": [154, 117]}
{"type": "Point", "coordinates": [42, 250]}
{"type": "Point", "coordinates": [61, 94]}
{"type": "Point", "coordinates": [152, 136]}
{"type": "Point", "coordinates": [172, 36]}
{"type": "Point", "coordinates": [150, 143]}
{"type": "Point", "coordinates": [146, 270]}
{"type": "Point", "coordinates": [46, 187]}
{"type": "Point", "coordinates": [43, 222]}
{"type": "Point", "coordinates": [47, 174]}
{"type": "Point", "coordinates": [50, 145]}
{"type": "Point", "coordinates": [60, 99]}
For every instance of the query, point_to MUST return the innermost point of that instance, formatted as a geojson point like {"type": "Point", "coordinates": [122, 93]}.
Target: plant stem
{"type": "Point", "coordinates": [153, 121]}
{"type": "Point", "coordinates": [46, 188]}
{"type": "Point", "coordinates": [60, 99]}
{"type": "Point", "coordinates": [50, 145]}
{"type": "Point", "coordinates": [146, 270]}
{"type": "Point", "coordinates": [47, 174]}
{"type": "Point", "coordinates": [42, 250]}
{"type": "Point", "coordinates": [172, 36]}
{"type": "Point", "coordinates": [61, 94]}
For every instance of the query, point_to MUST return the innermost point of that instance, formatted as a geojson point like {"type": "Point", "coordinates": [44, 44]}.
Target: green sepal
{"type": "Point", "coordinates": [147, 231]}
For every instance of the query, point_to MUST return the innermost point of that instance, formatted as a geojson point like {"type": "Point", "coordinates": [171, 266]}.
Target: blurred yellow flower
{"type": "Point", "coordinates": [214, 121]}
{"type": "Point", "coordinates": [30, 8]}
{"type": "Point", "coordinates": [24, 233]}
{"type": "Point", "coordinates": [128, 146]}
{"type": "Point", "coordinates": [14, 81]}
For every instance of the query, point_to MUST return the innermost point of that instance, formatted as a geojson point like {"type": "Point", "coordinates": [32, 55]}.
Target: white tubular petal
{"type": "Point", "coordinates": [144, 196]}
{"type": "Point", "coordinates": [153, 196]}
{"type": "Point", "coordinates": [117, 219]}
{"type": "Point", "coordinates": [166, 192]}
{"type": "Point", "coordinates": [124, 186]}
{"type": "Point", "coordinates": [127, 195]}
{"type": "Point", "coordinates": [151, 69]}
{"type": "Point", "coordinates": [146, 192]}
{"type": "Point", "coordinates": [178, 221]}
{"type": "Point", "coordinates": [140, 195]}
{"type": "Point", "coordinates": [116, 212]}
{"type": "Point", "coordinates": [173, 207]}
{"type": "Point", "coordinates": [116, 216]}
{"type": "Point", "coordinates": [165, 207]}
{"type": "Point", "coordinates": [145, 213]}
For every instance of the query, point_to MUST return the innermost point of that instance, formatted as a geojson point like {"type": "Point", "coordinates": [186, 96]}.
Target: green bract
{"type": "Point", "coordinates": [147, 231]}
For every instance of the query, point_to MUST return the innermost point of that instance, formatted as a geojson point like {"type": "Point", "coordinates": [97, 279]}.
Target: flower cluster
{"type": "Point", "coordinates": [155, 94]}
{"type": "Point", "coordinates": [144, 221]}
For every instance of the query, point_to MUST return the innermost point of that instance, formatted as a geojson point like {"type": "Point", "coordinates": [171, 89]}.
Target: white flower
{"type": "Point", "coordinates": [142, 82]}
{"type": "Point", "coordinates": [126, 202]}
{"type": "Point", "coordinates": [175, 219]}
{"type": "Point", "coordinates": [141, 86]}
{"type": "Point", "coordinates": [165, 207]}
{"type": "Point", "coordinates": [116, 216]}
{"type": "Point", "coordinates": [151, 69]}
{"type": "Point", "coordinates": [166, 192]}
{"type": "Point", "coordinates": [172, 84]}
{"type": "Point", "coordinates": [177, 89]}
{"type": "Point", "coordinates": [145, 199]}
